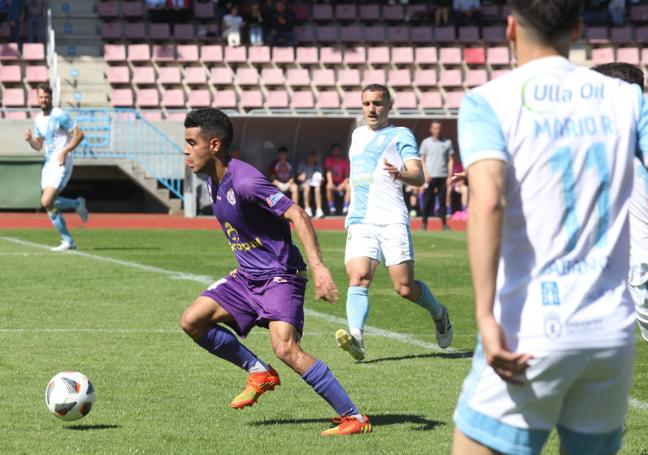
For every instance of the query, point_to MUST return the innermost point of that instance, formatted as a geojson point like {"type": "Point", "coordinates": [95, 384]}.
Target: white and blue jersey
{"type": "Point", "coordinates": [55, 129]}
{"type": "Point", "coordinates": [376, 198]}
{"type": "Point", "coordinates": [569, 136]}
{"type": "Point", "coordinates": [639, 227]}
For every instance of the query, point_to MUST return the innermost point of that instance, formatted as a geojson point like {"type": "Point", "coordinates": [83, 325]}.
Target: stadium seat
{"type": "Point", "coordinates": [399, 78]}
{"type": "Point", "coordinates": [132, 10]}
{"type": "Point", "coordinates": [373, 77]}
{"type": "Point", "coordinates": [143, 75]}
{"type": "Point", "coordinates": [597, 35]}
{"type": "Point", "coordinates": [307, 56]}
{"type": "Point", "coordinates": [468, 34]}
{"type": "Point", "coordinates": [35, 74]}
{"type": "Point", "coordinates": [305, 33]}
{"type": "Point", "coordinates": [377, 56]}
{"type": "Point", "coordinates": [374, 34]}
{"type": "Point", "coordinates": [9, 52]}
{"type": "Point", "coordinates": [297, 77]}
{"type": "Point", "coordinates": [352, 99]}
{"type": "Point", "coordinates": [169, 75]}
{"type": "Point", "coordinates": [283, 55]}
{"type": "Point", "coordinates": [425, 56]}
{"type": "Point", "coordinates": [641, 34]}
{"type": "Point", "coordinates": [204, 10]}
{"type": "Point", "coordinates": [326, 33]}
{"type": "Point", "coordinates": [251, 99]}
{"type": "Point", "coordinates": [159, 32]}
{"type": "Point", "coordinates": [277, 99]}
{"type": "Point", "coordinates": [111, 31]}
{"type": "Point", "coordinates": [430, 100]}
{"type": "Point", "coordinates": [188, 53]}
{"type": "Point", "coordinates": [272, 76]}
{"type": "Point", "coordinates": [494, 74]}
{"type": "Point", "coordinates": [494, 34]}
{"type": "Point", "coordinates": [450, 78]}
{"type": "Point", "coordinates": [398, 34]}
{"type": "Point", "coordinates": [15, 115]}
{"type": "Point", "coordinates": [114, 53]}
{"type": "Point", "coordinates": [369, 13]}
{"type": "Point", "coordinates": [345, 12]}
{"type": "Point", "coordinates": [323, 77]}
{"type": "Point", "coordinates": [639, 13]}
{"type": "Point", "coordinates": [602, 55]}
{"type": "Point", "coordinates": [348, 77]}
{"type": "Point", "coordinates": [134, 31]}
{"type": "Point", "coordinates": [328, 99]}
{"type": "Point", "coordinates": [121, 97]}
{"type": "Point", "coordinates": [425, 78]}
{"type": "Point", "coordinates": [405, 100]}
{"type": "Point", "coordinates": [476, 77]}
{"type": "Point", "coordinates": [173, 98]}
{"type": "Point", "coordinates": [259, 55]}
{"type": "Point", "coordinates": [422, 34]}
{"type": "Point", "coordinates": [402, 55]}
{"type": "Point", "coordinates": [220, 75]}
{"type": "Point", "coordinates": [148, 97]}
{"type": "Point", "coordinates": [163, 53]}
{"type": "Point", "coordinates": [33, 52]}
{"type": "Point", "coordinates": [195, 75]}
{"type": "Point", "coordinates": [417, 12]}
{"type": "Point", "coordinates": [445, 35]}
{"type": "Point", "coordinates": [498, 56]}
{"type": "Point", "coordinates": [393, 13]}
{"type": "Point", "coordinates": [10, 74]}
{"type": "Point", "coordinates": [474, 56]}
{"type": "Point", "coordinates": [235, 54]}
{"type": "Point", "coordinates": [450, 56]}
{"type": "Point", "coordinates": [322, 12]}
{"type": "Point", "coordinates": [628, 55]}
{"type": "Point", "coordinates": [32, 98]}
{"type": "Point", "coordinates": [330, 56]}
{"type": "Point", "coordinates": [109, 9]}
{"type": "Point", "coordinates": [184, 32]}
{"type": "Point", "coordinates": [199, 98]}
{"type": "Point", "coordinates": [302, 100]}
{"type": "Point", "coordinates": [225, 99]}
{"type": "Point", "coordinates": [211, 53]}
{"type": "Point", "coordinates": [247, 76]}
{"type": "Point", "coordinates": [117, 75]}
{"type": "Point", "coordinates": [621, 35]}
{"type": "Point", "coordinates": [644, 56]}
{"type": "Point", "coordinates": [453, 99]}
{"type": "Point", "coordinates": [156, 116]}
{"type": "Point", "coordinates": [355, 56]}
{"type": "Point", "coordinates": [139, 53]}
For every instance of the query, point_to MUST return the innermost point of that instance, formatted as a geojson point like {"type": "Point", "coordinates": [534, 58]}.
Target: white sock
{"type": "Point", "coordinates": [357, 334]}
{"type": "Point", "coordinates": [258, 367]}
{"type": "Point", "coordinates": [358, 416]}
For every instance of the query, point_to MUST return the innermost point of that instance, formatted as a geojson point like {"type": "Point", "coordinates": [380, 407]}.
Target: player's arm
{"type": "Point", "coordinates": [410, 174]}
{"type": "Point", "coordinates": [324, 286]}
{"type": "Point", "coordinates": [34, 142]}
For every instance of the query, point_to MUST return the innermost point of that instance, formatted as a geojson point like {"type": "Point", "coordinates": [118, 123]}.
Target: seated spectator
{"type": "Point", "coordinates": [309, 175]}
{"type": "Point", "coordinates": [337, 170]}
{"type": "Point", "coordinates": [35, 10]}
{"type": "Point", "coordinates": [596, 12]}
{"type": "Point", "coordinates": [442, 13]}
{"type": "Point", "coordinates": [15, 19]}
{"type": "Point", "coordinates": [617, 12]}
{"type": "Point", "coordinates": [231, 27]}
{"type": "Point", "coordinates": [282, 175]}
{"type": "Point", "coordinates": [412, 197]}
{"type": "Point", "coordinates": [467, 12]}
{"type": "Point", "coordinates": [282, 26]}
{"type": "Point", "coordinates": [255, 22]}
{"type": "Point", "coordinates": [4, 10]}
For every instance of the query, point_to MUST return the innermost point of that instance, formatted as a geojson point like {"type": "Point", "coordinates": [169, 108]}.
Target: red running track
{"type": "Point", "coordinates": [157, 221]}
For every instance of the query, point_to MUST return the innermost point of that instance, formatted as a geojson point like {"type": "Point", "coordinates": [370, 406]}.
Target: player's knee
{"type": "Point", "coordinates": [46, 203]}
{"type": "Point", "coordinates": [189, 323]}
{"type": "Point", "coordinates": [285, 351]}
{"type": "Point", "coordinates": [357, 278]}
{"type": "Point", "coordinates": [403, 289]}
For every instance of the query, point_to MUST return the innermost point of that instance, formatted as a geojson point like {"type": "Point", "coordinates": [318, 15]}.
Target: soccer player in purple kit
{"type": "Point", "coordinates": [268, 287]}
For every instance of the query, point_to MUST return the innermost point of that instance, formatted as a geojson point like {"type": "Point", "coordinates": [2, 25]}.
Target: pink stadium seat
{"type": "Point", "coordinates": [350, 34]}
{"type": "Point", "coordinates": [468, 34]}
{"type": "Point", "coordinates": [475, 77]}
{"type": "Point", "coordinates": [114, 53]}
{"type": "Point", "coordinates": [10, 74]}
{"type": "Point", "coordinates": [498, 56]}
{"type": "Point", "coordinates": [374, 34]}
{"type": "Point", "coordinates": [188, 53]}
{"type": "Point", "coordinates": [378, 56]}
{"type": "Point", "coordinates": [204, 10]}
{"type": "Point", "coordinates": [9, 51]}
{"type": "Point", "coordinates": [139, 53]}
{"type": "Point", "coordinates": [644, 56]}
{"type": "Point", "coordinates": [474, 56]}
{"type": "Point", "coordinates": [602, 55]}
{"type": "Point", "coordinates": [235, 54]}
{"type": "Point", "coordinates": [369, 13]}
{"type": "Point", "coordinates": [425, 56]}
{"type": "Point", "coordinates": [405, 100]}
{"type": "Point", "coordinates": [220, 75]}
{"type": "Point", "coordinates": [450, 56]}
{"type": "Point", "coordinates": [272, 76]}
{"type": "Point", "coordinates": [346, 12]}
{"type": "Point", "coordinates": [494, 34]}
{"type": "Point", "coordinates": [402, 55]}
{"type": "Point", "coordinates": [118, 75]}
{"type": "Point", "coordinates": [283, 55]}
{"type": "Point", "coordinates": [211, 53]}
{"type": "Point", "coordinates": [494, 74]}
{"type": "Point", "coordinates": [173, 98]}
{"type": "Point", "coordinates": [15, 115]}
{"type": "Point", "coordinates": [450, 78]}
{"type": "Point", "coordinates": [159, 32]}
{"type": "Point", "coordinates": [33, 52]}
{"type": "Point", "coordinates": [352, 99]}
{"type": "Point", "coordinates": [373, 77]}
{"type": "Point", "coordinates": [258, 55]}
{"type": "Point", "coordinates": [297, 77]}
{"type": "Point", "coordinates": [108, 9]}
{"type": "Point", "coordinates": [430, 100]}
{"type": "Point", "coordinates": [302, 100]}
{"type": "Point", "coordinates": [445, 34]}
{"type": "Point", "coordinates": [305, 33]}
{"type": "Point", "coordinates": [148, 97]}
{"type": "Point", "coordinates": [247, 76]}
{"type": "Point", "coordinates": [399, 78]}
{"type": "Point", "coordinates": [355, 56]}
{"type": "Point", "coordinates": [195, 75]}
{"type": "Point", "coordinates": [322, 12]}
{"type": "Point", "coordinates": [422, 34]}
{"type": "Point", "coordinates": [641, 34]}
{"type": "Point", "coordinates": [135, 31]}
{"type": "Point", "coordinates": [32, 98]}
{"type": "Point", "coordinates": [35, 74]}
{"type": "Point", "coordinates": [199, 98]}
{"type": "Point", "coordinates": [393, 13]}
{"type": "Point", "coordinates": [639, 13]}
{"type": "Point", "coordinates": [621, 35]}
{"type": "Point", "coordinates": [184, 32]}
{"type": "Point", "coordinates": [348, 77]}
{"type": "Point", "coordinates": [628, 55]}
{"type": "Point", "coordinates": [323, 77]}
{"type": "Point", "coordinates": [398, 34]}
{"type": "Point", "coordinates": [121, 97]}
{"type": "Point", "coordinates": [326, 33]}
{"type": "Point", "coordinates": [453, 99]}
{"type": "Point", "coordinates": [251, 99]}
{"type": "Point", "coordinates": [225, 99]}
{"type": "Point", "coordinates": [169, 75]}
{"type": "Point", "coordinates": [330, 56]}
{"type": "Point", "coordinates": [163, 53]}
{"type": "Point", "coordinates": [416, 11]}
{"type": "Point", "coordinates": [156, 116]}
{"type": "Point", "coordinates": [277, 99]}
{"type": "Point", "coordinates": [111, 30]}
{"type": "Point", "coordinates": [307, 56]}
{"type": "Point", "coordinates": [143, 75]}
{"type": "Point", "coordinates": [597, 35]}
{"type": "Point", "coordinates": [425, 77]}
{"type": "Point", "coordinates": [132, 10]}
{"type": "Point", "coordinates": [328, 99]}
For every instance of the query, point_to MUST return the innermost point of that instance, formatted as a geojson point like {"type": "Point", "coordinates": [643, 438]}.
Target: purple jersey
{"type": "Point", "coordinates": [250, 211]}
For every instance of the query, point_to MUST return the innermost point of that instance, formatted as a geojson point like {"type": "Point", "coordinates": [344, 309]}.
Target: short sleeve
{"type": "Point", "coordinates": [257, 189]}
{"type": "Point", "coordinates": [406, 145]}
{"type": "Point", "coordinates": [37, 133]}
{"type": "Point", "coordinates": [642, 129]}
{"type": "Point", "coordinates": [66, 122]}
{"type": "Point", "coordinates": [480, 134]}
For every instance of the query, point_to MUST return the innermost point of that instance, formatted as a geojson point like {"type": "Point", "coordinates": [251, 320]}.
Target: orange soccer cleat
{"type": "Point", "coordinates": [257, 385]}
{"type": "Point", "coordinates": [349, 425]}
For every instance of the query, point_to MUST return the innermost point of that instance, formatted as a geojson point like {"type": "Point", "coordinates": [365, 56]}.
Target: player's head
{"type": "Point", "coordinates": [336, 149]}
{"type": "Point", "coordinates": [44, 95]}
{"type": "Point", "coordinates": [625, 71]}
{"type": "Point", "coordinates": [208, 135]}
{"type": "Point", "coordinates": [435, 129]}
{"type": "Point", "coordinates": [545, 24]}
{"type": "Point", "coordinates": [376, 103]}
{"type": "Point", "coordinates": [282, 153]}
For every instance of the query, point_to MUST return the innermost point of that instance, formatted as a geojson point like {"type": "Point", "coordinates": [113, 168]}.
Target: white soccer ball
{"type": "Point", "coordinates": [69, 395]}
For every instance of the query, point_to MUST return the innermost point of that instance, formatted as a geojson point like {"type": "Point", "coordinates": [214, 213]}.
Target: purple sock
{"type": "Point", "coordinates": [327, 386]}
{"type": "Point", "coordinates": [222, 343]}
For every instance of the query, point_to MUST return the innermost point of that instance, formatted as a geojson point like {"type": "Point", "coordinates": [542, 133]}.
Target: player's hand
{"type": "Point", "coordinates": [508, 365]}
{"type": "Point", "coordinates": [458, 177]}
{"type": "Point", "coordinates": [61, 158]}
{"type": "Point", "coordinates": [392, 170]}
{"type": "Point", "coordinates": [28, 135]}
{"type": "Point", "coordinates": [325, 287]}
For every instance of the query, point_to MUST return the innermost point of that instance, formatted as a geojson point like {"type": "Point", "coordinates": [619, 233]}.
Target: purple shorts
{"type": "Point", "coordinates": [257, 301]}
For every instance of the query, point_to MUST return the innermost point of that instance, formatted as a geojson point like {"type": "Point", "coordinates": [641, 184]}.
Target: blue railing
{"type": "Point", "coordinates": [125, 134]}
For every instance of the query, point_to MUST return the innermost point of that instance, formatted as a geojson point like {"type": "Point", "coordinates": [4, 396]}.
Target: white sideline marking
{"type": "Point", "coordinates": [402, 337]}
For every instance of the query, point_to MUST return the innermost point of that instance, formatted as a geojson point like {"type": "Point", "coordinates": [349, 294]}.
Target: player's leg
{"type": "Point", "coordinates": [443, 201]}
{"type": "Point", "coordinates": [347, 197]}
{"type": "Point", "coordinates": [428, 205]}
{"type": "Point", "coordinates": [55, 215]}
{"type": "Point", "coordinates": [317, 192]}
{"type": "Point", "coordinates": [285, 343]}
{"type": "Point", "coordinates": [306, 195]}
{"type": "Point", "coordinates": [463, 445]}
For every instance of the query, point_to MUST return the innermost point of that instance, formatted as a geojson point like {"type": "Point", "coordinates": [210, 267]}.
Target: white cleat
{"type": "Point", "coordinates": [82, 210]}
{"type": "Point", "coordinates": [443, 329]}
{"type": "Point", "coordinates": [64, 246]}
{"type": "Point", "coordinates": [350, 344]}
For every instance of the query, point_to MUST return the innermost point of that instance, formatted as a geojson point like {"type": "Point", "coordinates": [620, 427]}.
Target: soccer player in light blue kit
{"type": "Point", "coordinates": [54, 129]}
{"type": "Point", "coordinates": [549, 152]}
{"type": "Point", "coordinates": [383, 158]}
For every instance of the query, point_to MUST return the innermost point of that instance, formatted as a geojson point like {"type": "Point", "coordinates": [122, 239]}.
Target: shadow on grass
{"type": "Point", "coordinates": [376, 420]}
{"type": "Point", "coordinates": [431, 355]}
{"type": "Point", "coordinates": [124, 248]}
{"type": "Point", "coordinates": [99, 426]}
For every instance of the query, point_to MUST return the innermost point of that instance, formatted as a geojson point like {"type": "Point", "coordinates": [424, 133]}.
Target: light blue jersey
{"type": "Point", "coordinates": [376, 198]}
{"type": "Point", "coordinates": [55, 129]}
{"type": "Point", "coordinates": [568, 136]}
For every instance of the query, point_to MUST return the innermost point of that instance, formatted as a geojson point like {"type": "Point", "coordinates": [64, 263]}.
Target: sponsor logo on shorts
{"type": "Point", "coordinates": [552, 325]}
{"type": "Point", "coordinates": [272, 200]}
{"type": "Point", "coordinates": [278, 279]}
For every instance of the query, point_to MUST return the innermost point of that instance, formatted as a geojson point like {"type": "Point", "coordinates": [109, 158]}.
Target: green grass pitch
{"type": "Point", "coordinates": [112, 313]}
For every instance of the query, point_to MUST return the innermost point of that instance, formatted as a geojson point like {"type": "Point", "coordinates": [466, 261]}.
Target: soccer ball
{"type": "Point", "coordinates": [69, 395]}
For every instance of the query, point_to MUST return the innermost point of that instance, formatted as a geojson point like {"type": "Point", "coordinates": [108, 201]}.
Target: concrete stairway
{"type": "Point", "coordinates": [82, 82]}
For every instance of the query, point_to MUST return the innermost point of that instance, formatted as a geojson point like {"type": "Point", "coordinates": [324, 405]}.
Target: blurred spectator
{"type": "Point", "coordinates": [458, 193]}
{"type": "Point", "coordinates": [309, 175]}
{"type": "Point", "coordinates": [282, 175]}
{"type": "Point", "coordinates": [467, 12]}
{"type": "Point", "coordinates": [156, 10]}
{"type": "Point", "coordinates": [231, 27]}
{"type": "Point", "coordinates": [282, 26]}
{"type": "Point", "coordinates": [15, 18]}
{"type": "Point", "coordinates": [617, 11]}
{"type": "Point", "coordinates": [596, 12]}
{"type": "Point", "coordinates": [255, 22]}
{"type": "Point", "coordinates": [412, 194]}
{"type": "Point", "coordinates": [35, 11]}
{"type": "Point", "coordinates": [4, 10]}
{"type": "Point", "coordinates": [437, 155]}
{"type": "Point", "coordinates": [442, 12]}
{"type": "Point", "coordinates": [337, 170]}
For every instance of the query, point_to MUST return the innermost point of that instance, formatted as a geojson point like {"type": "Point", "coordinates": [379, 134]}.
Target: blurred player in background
{"type": "Point", "coordinates": [54, 129]}
{"type": "Point", "coordinates": [383, 158]}
{"type": "Point", "coordinates": [267, 289]}
{"type": "Point", "coordinates": [551, 172]}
